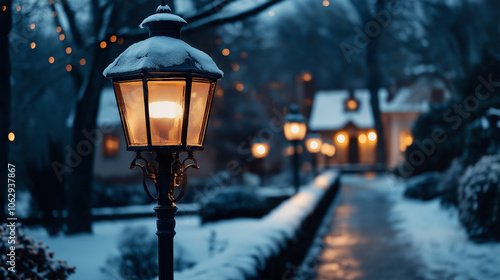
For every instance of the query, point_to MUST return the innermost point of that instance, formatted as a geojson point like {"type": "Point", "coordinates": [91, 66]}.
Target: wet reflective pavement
{"type": "Point", "coordinates": [359, 239]}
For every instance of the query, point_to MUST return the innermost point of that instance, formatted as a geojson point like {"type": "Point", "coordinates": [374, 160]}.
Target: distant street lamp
{"type": "Point", "coordinates": [295, 130]}
{"type": "Point", "coordinates": [313, 145]}
{"type": "Point", "coordinates": [164, 89]}
{"type": "Point", "coordinates": [260, 150]}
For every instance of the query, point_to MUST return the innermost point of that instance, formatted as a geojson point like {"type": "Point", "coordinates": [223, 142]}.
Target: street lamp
{"type": "Point", "coordinates": [260, 150]}
{"type": "Point", "coordinates": [164, 90]}
{"type": "Point", "coordinates": [295, 130]}
{"type": "Point", "coordinates": [313, 145]}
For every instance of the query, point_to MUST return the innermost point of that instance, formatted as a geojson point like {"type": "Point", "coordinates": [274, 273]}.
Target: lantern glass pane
{"type": "Point", "coordinates": [130, 100]}
{"type": "Point", "coordinates": [295, 131]}
{"type": "Point", "coordinates": [166, 111]}
{"type": "Point", "coordinates": [199, 109]}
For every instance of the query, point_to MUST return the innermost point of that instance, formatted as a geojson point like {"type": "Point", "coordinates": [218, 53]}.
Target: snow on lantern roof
{"type": "Point", "coordinates": [162, 17]}
{"type": "Point", "coordinates": [162, 53]}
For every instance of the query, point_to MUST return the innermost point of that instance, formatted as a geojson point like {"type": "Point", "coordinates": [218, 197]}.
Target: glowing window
{"type": "Point", "coordinates": [111, 145]}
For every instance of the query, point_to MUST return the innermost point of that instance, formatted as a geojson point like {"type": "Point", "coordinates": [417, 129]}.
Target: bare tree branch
{"type": "Point", "coordinates": [231, 18]}
{"type": "Point", "coordinates": [208, 10]}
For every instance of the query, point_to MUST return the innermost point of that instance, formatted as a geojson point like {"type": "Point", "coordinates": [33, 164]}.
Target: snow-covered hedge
{"type": "Point", "coordinates": [479, 199]}
{"type": "Point", "coordinates": [270, 243]}
{"type": "Point", "coordinates": [22, 258]}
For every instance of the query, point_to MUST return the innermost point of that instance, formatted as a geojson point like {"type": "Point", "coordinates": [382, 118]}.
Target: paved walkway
{"type": "Point", "coordinates": [359, 240]}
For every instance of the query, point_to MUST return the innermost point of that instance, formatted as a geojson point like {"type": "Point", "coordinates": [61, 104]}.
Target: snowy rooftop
{"type": "Point", "coordinates": [108, 110]}
{"type": "Point", "coordinates": [328, 107]}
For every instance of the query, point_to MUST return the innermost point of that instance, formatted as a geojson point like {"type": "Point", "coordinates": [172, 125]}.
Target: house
{"type": "Point", "coordinates": [345, 118]}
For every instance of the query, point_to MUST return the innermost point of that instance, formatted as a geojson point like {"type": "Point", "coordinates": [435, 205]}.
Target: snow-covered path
{"type": "Point", "coordinates": [374, 233]}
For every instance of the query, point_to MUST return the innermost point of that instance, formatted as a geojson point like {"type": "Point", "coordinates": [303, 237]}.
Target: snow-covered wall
{"type": "Point", "coordinates": [263, 248]}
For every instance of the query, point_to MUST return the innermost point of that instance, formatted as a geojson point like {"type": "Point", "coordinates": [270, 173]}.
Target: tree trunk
{"type": "Point", "coordinates": [5, 96]}
{"type": "Point", "coordinates": [374, 85]}
{"type": "Point", "coordinates": [85, 138]}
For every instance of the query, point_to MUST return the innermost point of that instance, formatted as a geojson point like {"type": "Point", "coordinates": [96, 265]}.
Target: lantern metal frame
{"type": "Point", "coordinates": [144, 78]}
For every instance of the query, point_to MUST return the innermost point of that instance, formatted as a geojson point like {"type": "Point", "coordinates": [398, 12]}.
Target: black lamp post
{"type": "Point", "coordinates": [295, 131]}
{"type": "Point", "coordinates": [260, 150]}
{"type": "Point", "coordinates": [313, 145]}
{"type": "Point", "coordinates": [164, 89]}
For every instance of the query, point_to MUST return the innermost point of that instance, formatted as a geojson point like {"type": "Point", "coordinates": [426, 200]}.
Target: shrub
{"type": "Point", "coordinates": [138, 256]}
{"type": "Point", "coordinates": [424, 186]}
{"type": "Point", "coordinates": [233, 203]}
{"type": "Point", "coordinates": [479, 199]}
{"type": "Point", "coordinates": [33, 260]}
{"type": "Point", "coordinates": [449, 184]}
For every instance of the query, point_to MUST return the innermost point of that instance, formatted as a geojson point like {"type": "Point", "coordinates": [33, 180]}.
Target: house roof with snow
{"type": "Point", "coordinates": [108, 114]}
{"type": "Point", "coordinates": [328, 112]}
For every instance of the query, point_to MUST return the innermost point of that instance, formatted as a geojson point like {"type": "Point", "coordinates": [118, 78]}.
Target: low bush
{"type": "Point", "coordinates": [233, 203]}
{"type": "Point", "coordinates": [479, 199]}
{"type": "Point", "coordinates": [32, 260]}
{"type": "Point", "coordinates": [138, 256]}
{"type": "Point", "coordinates": [449, 184]}
{"type": "Point", "coordinates": [424, 186]}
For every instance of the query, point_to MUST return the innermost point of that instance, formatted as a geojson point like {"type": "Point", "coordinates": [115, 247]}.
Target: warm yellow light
{"type": "Point", "coordinates": [260, 150]}
{"type": "Point", "coordinates": [405, 140]}
{"type": "Point", "coordinates": [341, 138]}
{"type": "Point", "coordinates": [408, 140]}
{"type": "Point", "coordinates": [113, 39]}
{"type": "Point", "coordinates": [236, 67]}
{"type": "Point", "coordinates": [362, 138]}
{"type": "Point", "coordinates": [244, 55]}
{"type": "Point", "coordinates": [239, 86]}
{"type": "Point", "coordinates": [4, 8]}
{"type": "Point", "coordinates": [225, 52]}
{"type": "Point", "coordinates": [307, 77]}
{"type": "Point", "coordinates": [11, 136]}
{"type": "Point", "coordinates": [314, 144]}
{"type": "Point", "coordinates": [295, 131]}
{"type": "Point", "coordinates": [111, 145]}
{"type": "Point", "coordinates": [120, 41]}
{"type": "Point", "coordinates": [271, 13]}
{"type": "Point", "coordinates": [18, 8]}
{"type": "Point", "coordinates": [51, 59]}
{"type": "Point", "coordinates": [83, 61]}
{"type": "Point", "coordinates": [33, 45]}
{"type": "Point", "coordinates": [103, 44]}
{"type": "Point", "coordinates": [328, 149]}
{"type": "Point", "coordinates": [69, 67]}
{"type": "Point", "coordinates": [164, 109]}
{"type": "Point", "coordinates": [372, 136]}
{"type": "Point", "coordinates": [352, 104]}
{"type": "Point", "coordinates": [326, 3]}
{"type": "Point", "coordinates": [68, 50]}
{"type": "Point", "coordinates": [32, 26]}
{"type": "Point", "coordinates": [61, 37]}
{"type": "Point", "coordinates": [59, 29]}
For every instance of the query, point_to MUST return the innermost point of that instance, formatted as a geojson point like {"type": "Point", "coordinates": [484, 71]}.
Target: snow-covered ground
{"type": "Point", "coordinates": [439, 240]}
